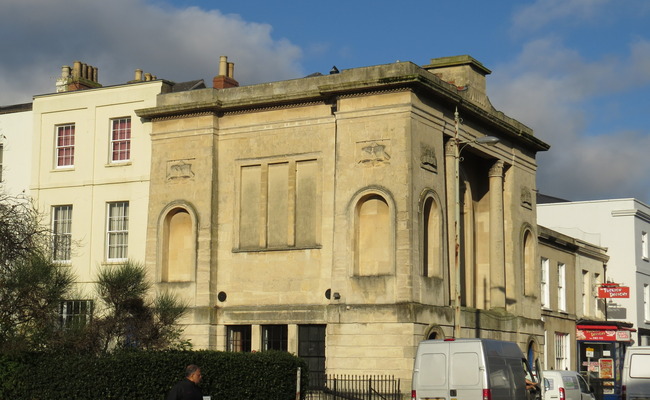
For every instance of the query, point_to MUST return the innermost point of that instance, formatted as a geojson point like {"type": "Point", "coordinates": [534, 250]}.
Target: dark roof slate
{"type": "Point", "coordinates": [189, 85]}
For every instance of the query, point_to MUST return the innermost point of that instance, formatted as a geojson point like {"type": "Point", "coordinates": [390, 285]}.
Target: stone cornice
{"type": "Point", "coordinates": [327, 88]}
{"type": "Point", "coordinates": [632, 213]}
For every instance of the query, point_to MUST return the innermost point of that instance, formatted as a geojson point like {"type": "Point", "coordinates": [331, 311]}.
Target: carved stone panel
{"type": "Point", "coordinates": [428, 159]}
{"type": "Point", "coordinates": [373, 153]}
{"type": "Point", "coordinates": [179, 170]}
{"type": "Point", "coordinates": [526, 198]}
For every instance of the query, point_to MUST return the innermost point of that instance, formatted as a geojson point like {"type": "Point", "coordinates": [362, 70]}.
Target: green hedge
{"type": "Point", "coordinates": [269, 375]}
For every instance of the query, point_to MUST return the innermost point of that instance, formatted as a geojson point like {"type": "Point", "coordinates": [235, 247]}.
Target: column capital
{"type": "Point", "coordinates": [450, 148]}
{"type": "Point", "coordinates": [497, 169]}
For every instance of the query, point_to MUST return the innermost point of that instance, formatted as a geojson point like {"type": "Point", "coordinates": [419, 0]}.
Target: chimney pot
{"type": "Point", "coordinates": [65, 71]}
{"type": "Point", "coordinates": [223, 66]}
{"type": "Point", "coordinates": [138, 74]}
{"type": "Point", "coordinates": [225, 78]}
{"type": "Point", "coordinates": [76, 71]}
{"type": "Point", "coordinates": [147, 76]}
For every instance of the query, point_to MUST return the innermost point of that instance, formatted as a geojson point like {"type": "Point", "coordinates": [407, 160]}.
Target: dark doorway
{"type": "Point", "coordinates": [311, 348]}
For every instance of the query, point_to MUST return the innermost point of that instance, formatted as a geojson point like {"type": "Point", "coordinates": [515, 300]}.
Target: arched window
{"type": "Point", "coordinates": [530, 279]}
{"type": "Point", "coordinates": [178, 247]}
{"type": "Point", "coordinates": [373, 236]}
{"type": "Point", "coordinates": [431, 239]}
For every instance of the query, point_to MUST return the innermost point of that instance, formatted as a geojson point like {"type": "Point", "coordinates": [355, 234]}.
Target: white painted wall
{"type": "Point", "coordinates": [16, 138]}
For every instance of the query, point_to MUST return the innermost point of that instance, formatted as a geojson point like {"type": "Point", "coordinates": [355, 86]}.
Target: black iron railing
{"type": "Point", "coordinates": [357, 387]}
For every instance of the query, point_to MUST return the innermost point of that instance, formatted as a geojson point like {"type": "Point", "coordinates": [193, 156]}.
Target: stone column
{"type": "Point", "coordinates": [497, 250]}
{"type": "Point", "coordinates": [450, 179]}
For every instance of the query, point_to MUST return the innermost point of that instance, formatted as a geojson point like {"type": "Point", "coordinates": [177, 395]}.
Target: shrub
{"type": "Point", "coordinates": [149, 375]}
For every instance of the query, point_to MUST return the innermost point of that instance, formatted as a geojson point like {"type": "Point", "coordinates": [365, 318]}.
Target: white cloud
{"type": "Point", "coordinates": [119, 36]}
{"type": "Point", "coordinates": [543, 12]}
{"type": "Point", "coordinates": [550, 88]}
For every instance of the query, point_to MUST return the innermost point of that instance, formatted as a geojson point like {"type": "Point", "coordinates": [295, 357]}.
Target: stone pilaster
{"type": "Point", "coordinates": [497, 250]}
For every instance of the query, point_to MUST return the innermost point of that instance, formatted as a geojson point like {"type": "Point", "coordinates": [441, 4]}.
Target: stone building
{"type": "Point", "coordinates": [317, 215]}
{"type": "Point", "coordinates": [571, 272]}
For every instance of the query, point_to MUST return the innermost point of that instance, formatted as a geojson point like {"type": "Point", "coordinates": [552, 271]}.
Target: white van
{"type": "Point", "coordinates": [468, 369]}
{"type": "Point", "coordinates": [566, 385]}
{"type": "Point", "coordinates": [636, 373]}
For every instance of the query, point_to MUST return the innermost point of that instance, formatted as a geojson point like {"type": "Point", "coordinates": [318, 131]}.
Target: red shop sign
{"type": "Point", "coordinates": [613, 292]}
{"type": "Point", "coordinates": [604, 335]}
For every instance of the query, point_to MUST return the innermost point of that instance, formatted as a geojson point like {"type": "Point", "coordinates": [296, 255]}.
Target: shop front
{"type": "Point", "coordinates": [601, 350]}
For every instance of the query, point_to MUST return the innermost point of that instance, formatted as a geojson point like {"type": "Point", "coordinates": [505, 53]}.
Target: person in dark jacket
{"type": "Point", "coordinates": [188, 388]}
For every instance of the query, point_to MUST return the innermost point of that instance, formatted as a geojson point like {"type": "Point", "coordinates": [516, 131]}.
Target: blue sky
{"type": "Point", "coordinates": [576, 71]}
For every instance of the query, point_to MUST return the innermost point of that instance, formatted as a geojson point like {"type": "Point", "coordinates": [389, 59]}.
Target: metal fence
{"type": "Point", "coordinates": [357, 387]}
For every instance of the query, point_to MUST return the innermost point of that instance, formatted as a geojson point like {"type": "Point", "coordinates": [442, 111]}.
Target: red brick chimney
{"type": "Point", "coordinates": [225, 78]}
{"type": "Point", "coordinates": [80, 76]}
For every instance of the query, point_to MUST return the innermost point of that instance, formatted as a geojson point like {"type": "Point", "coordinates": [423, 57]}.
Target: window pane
{"type": "Point", "coordinates": [121, 139]}
{"type": "Point", "coordinates": [561, 350]}
{"type": "Point", "coordinates": [65, 145]}
{"type": "Point", "coordinates": [274, 337]}
{"type": "Point", "coordinates": [561, 294]}
{"type": "Point", "coordinates": [61, 232]}
{"type": "Point", "coordinates": [75, 313]}
{"type": "Point", "coordinates": [239, 338]}
{"type": "Point", "coordinates": [118, 230]}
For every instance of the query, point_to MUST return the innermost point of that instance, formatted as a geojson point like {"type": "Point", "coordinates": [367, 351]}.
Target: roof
{"type": "Point", "coordinates": [189, 85]}
{"type": "Point", "coordinates": [546, 199]}
{"type": "Point", "coordinates": [14, 108]}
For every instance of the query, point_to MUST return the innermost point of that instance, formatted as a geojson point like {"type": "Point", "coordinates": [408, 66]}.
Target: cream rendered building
{"type": "Point", "coordinates": [15, 147]}
{"type": "Point", "coordinates": [90, 172]}
{"type": "Point", "coordinates": [316, 215]}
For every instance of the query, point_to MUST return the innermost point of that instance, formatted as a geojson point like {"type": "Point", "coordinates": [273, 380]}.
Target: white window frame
{"type": "Point", "coordinates": [545, 288]}
{"type": "Point", "coordinates": [2, 148]}
{"type": "Point", "coordinates": [646, 302]}
{"type": "Point", "coordinates": [644, 245]}
{"type": "Point", "coordinates": [120, 140]}
{"type": "Point", "coordinates": [61, 148]}
{"type": "Point", "coordinates": [561, 286]}
{"type": "Point", "coordinates": [117, 231]}
{"type": "Point", "coordinates": [596, 284]}
{"type": "Point", "coordinates": [562, 351]}
{"type": "Point", "coordinates": [586, 290]}
{"type": "Point", "coordinates": [75, 313]}
{"type": "Point", "coordinates": [62, 233]}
